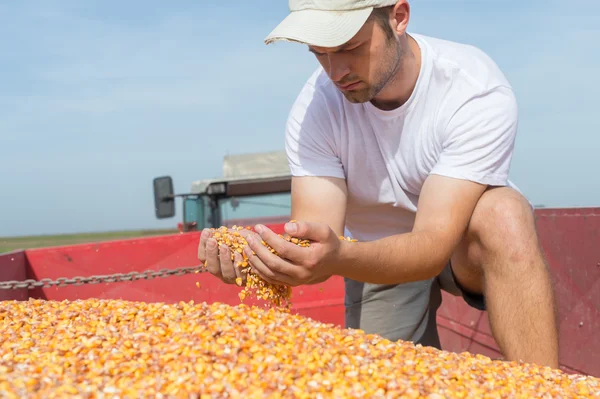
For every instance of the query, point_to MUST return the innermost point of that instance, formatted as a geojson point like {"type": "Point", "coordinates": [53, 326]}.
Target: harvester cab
{"type": "Point", "coordinates": [253, 187]}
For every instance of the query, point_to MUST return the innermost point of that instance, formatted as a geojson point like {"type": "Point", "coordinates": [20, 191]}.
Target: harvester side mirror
{"type": "Point", "coordinates": [164, 200]}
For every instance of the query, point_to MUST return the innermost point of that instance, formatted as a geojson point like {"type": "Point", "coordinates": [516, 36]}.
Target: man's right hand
{"type": "Point", "coordinates": [218, 260]}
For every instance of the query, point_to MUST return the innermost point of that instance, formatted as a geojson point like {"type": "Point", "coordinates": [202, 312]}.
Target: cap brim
{"type": "Point", "coordinates": [320, 28]}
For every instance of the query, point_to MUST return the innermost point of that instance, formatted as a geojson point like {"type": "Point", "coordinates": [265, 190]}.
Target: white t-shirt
{"type": "Point", "coordinates": [460, 121]}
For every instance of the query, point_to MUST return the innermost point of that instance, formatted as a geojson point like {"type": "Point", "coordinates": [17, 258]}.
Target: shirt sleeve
{"type": "Point", "coordinates": [479, 138]}
{"type": "Point", "coordinates": [309, 137]}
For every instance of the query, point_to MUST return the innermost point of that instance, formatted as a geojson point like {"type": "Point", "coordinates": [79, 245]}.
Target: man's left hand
{"type": "Point", "coordinates": [295, 265]}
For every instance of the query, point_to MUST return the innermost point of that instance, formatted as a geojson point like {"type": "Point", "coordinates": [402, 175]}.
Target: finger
{"type": "Point", "coordinates": [212, 258]}
{"type": "Point", "coordinates": [273, 262]}
{"type": "Point", "coordinates": [285, 249]}
{"type": "Point", "coordinates": [238, 261]}
{"type": "Point", "coordinates": [319, 232]}
{"type": "Point", "coordinates": [206, 234]}
{"type": "Point", "coordinates": [227, 268]}
{"type": "Point", "coordinates": [272, 269]}
{"type": "Point", "coordinates": [258, 267]}
{"type": "Point", "coordinates": [270, 276]}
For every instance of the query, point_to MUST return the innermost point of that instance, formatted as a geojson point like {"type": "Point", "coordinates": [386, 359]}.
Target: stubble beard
{"type": "Point", "coordinates": [391, 66]}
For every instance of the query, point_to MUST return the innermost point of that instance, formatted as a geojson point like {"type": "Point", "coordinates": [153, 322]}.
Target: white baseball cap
{"type": "Point", "coordinates": [325, 23]}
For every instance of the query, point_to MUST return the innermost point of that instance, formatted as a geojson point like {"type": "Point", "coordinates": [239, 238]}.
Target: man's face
{"type": "Point", "coordinates": [364, 65]}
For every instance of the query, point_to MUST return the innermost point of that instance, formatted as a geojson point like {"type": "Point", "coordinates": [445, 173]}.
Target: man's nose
{"type": "Point", "coordinates": [338, 68]}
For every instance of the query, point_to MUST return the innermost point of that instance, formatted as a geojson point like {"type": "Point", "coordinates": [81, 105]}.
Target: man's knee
{"type": "Point", "coordinates": [503, 222]}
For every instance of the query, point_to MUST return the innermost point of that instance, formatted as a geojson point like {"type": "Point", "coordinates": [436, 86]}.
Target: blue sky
{"type": "Point", "coordinates": [99, 97]}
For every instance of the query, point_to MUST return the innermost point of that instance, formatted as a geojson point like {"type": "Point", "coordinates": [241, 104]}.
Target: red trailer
{"type": "Point", "coordinates": [570, 239]}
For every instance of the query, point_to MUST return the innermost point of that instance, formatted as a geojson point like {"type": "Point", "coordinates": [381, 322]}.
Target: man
{"type": "Point", "coordinates": [404, 142]}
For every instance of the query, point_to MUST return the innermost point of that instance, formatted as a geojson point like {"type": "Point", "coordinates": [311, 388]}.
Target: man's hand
{"type": "Point", "coordinates": [218, 260]}
{"type": "Point", "coordinates": [295, 265]}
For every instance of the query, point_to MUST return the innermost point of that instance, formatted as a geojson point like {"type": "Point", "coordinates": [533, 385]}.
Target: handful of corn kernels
{"type": "Point", "coordinates": [277, 295]}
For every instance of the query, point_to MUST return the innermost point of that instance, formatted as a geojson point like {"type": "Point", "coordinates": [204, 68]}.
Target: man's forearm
{"type": "Point", "coordinates": [393, 260]}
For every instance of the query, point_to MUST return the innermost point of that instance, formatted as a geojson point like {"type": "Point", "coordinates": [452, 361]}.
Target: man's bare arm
{"type": "Point", "coordinates": [320, 199]}
{"type": "Point", "coordinates": [444, 210]}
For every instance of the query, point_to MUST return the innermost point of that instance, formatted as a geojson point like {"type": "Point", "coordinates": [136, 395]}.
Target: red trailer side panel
{"type": "Point", "coordinates": [121, 256]}
{"type": "Point", "coordinates": [13, 267]}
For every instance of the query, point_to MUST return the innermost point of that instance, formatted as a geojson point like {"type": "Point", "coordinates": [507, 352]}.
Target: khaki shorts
{"type": "Point", "coordinates": [404, 311]}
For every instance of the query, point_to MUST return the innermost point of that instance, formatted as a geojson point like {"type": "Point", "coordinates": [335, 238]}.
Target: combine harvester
{"type": "Point", "coordinates": [255, 188]}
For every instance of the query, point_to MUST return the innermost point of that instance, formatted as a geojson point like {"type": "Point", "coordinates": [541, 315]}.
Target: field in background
{"type": "Point", "coordinates": [8, 244]}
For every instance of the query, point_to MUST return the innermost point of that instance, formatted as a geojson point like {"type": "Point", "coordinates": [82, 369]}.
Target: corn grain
{"type": "Point", "coordinates": [118, 349]}
{"type": "Point", "coordinates": [275, 294]}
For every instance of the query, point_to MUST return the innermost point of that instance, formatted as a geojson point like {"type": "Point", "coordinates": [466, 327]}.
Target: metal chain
{"type": "Point", "coordinates": [111, 278]}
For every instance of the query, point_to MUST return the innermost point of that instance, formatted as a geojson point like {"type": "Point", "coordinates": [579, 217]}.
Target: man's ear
{"type": "Point", "coordinates": [400, 16]}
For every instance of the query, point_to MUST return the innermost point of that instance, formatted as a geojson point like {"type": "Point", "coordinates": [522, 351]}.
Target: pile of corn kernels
{"type": "Point", "coordinates": [275, 295]}
{"type": "Point", "coordinates": [118, 349]}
